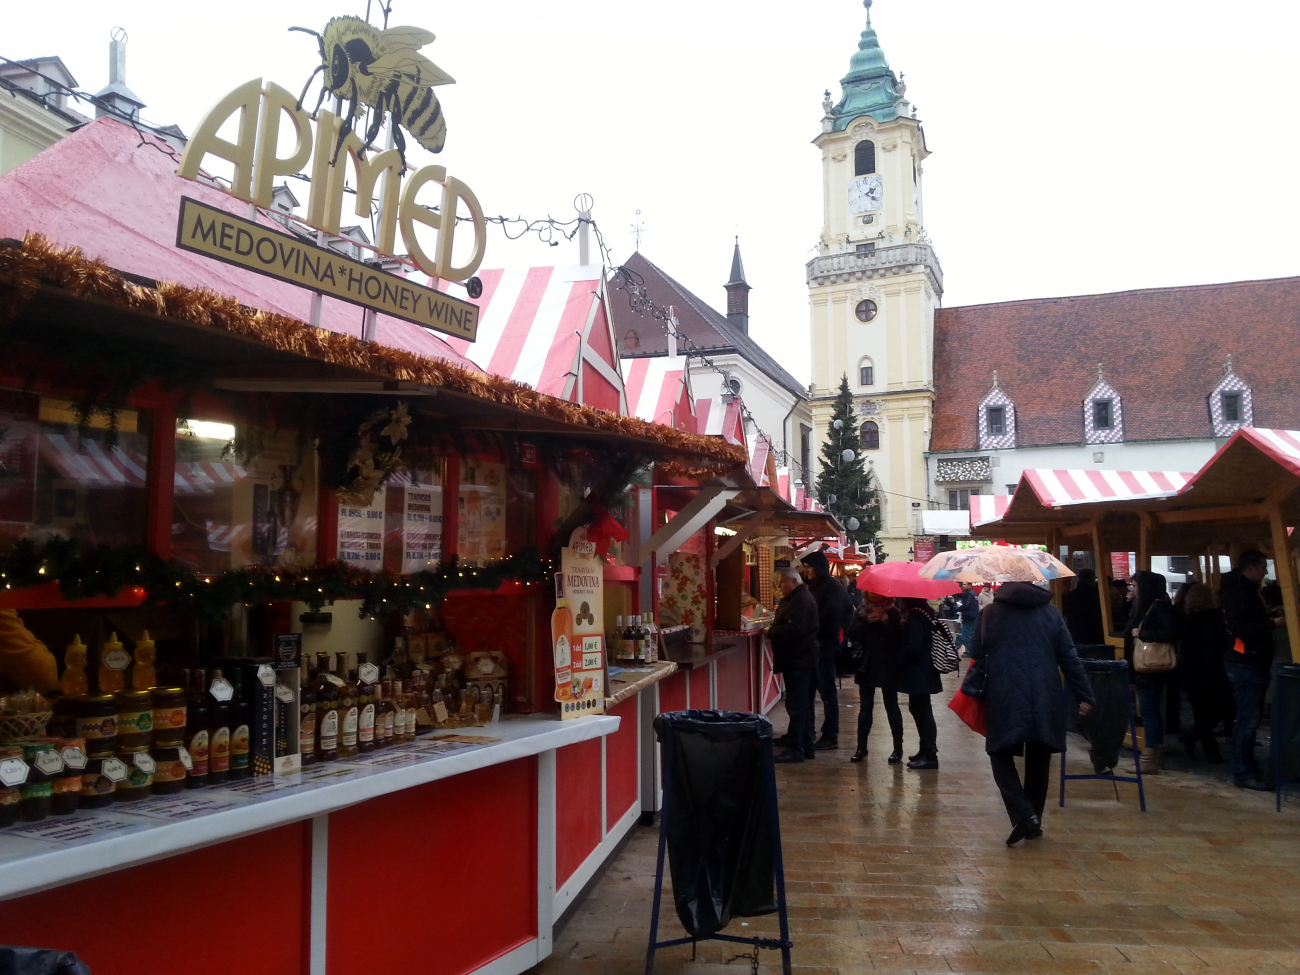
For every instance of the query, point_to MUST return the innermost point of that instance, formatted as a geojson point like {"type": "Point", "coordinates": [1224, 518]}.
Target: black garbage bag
{"type": "Point", "coordinates": [39, 961]}
{"type": "Point", "coordinates": [1286, 723]}
{"type": "Point", "coordinates": [718, 816]}
{"type": "Point", "coordinates": [1095, 651]}
{"type": "Point", "coordinates": [1105, 726]}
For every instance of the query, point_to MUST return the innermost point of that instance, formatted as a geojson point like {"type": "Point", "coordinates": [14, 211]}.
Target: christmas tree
{"type": "Point", "coordinates": [844, 485]}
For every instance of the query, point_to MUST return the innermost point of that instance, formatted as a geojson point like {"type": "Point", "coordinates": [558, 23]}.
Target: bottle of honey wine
{"type": "Point", "coordinates": [327, 710]}
{"type": "Point", "coordinates": [220, 693]}
{"type": "Point", "coordinates": [562, 644]}
{"type": "Point", "coordinates": [366, 741]}
{"type": "Point", "coordinates": [307, 714]}
{"type": "Point", "coordinates": [196, 730]}
{"type": "Point", "coordinates": [349, 715]}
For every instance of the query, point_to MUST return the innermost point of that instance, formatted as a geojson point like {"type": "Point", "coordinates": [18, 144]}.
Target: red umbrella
{"type": "Point", "coordinates": [903, 579]}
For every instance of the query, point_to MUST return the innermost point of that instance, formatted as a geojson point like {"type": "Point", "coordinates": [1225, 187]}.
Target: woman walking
{"type": "Point", "coordinates": [877, 628]}
{"type": "Point", "coordinates": [1026, 647]}
{"type": "Point", "coordinates": [917, 677]}
{"type": "Point", "coordinates": [1153, 620]}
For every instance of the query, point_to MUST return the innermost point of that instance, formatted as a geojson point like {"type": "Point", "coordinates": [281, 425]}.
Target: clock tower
{"type": "Point", "coordinates": [875, 283]}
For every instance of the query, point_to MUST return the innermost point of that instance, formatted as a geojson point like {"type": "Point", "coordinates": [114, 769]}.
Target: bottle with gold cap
{"type": "Point", "coordinates": [73, 683]}
{"type": "Point", "coordinates": [145, 674]}
{"type": "Point", "coordinates": [113, 661]}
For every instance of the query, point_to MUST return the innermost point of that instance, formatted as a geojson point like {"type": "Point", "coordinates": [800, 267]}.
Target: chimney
{"type": "Point", "coordinates": [738, 293]}
{"type": "Point", "coordinates": [119, 100]}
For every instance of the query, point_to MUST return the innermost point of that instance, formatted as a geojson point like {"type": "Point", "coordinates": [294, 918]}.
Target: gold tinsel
{"type": "Point", "coordinates": [23, 270]}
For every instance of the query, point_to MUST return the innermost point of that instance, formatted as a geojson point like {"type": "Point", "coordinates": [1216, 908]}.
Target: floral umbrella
{"type": "Point", "coordinates": [995, 564]}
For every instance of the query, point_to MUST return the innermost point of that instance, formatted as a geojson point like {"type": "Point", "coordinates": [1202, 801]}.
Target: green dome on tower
{"type": "Point", "coordinates": [870, 87]}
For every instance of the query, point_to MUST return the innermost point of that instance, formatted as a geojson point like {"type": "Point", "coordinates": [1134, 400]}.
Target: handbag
{"type": "Point", "coordinates": [943, 652]}
{"type": "Point", "coordinates": [972, 710]}
{"type": "Point", "coordinates": [1153, 658]}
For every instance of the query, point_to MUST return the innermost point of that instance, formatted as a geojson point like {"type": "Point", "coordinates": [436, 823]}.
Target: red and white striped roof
{"type": "Point", "coordinates": [1056, 489]}
{"type": "Point", "coordinates": [1282, 445]}
{"type": "Point", "coordinates": [987, 507]}
{"type": "Point", "coordinates": [549, 327]}
{"type": "Point", "coordinates": [658, 390]}
{"type": "Point", "coordinates": [718, 417]}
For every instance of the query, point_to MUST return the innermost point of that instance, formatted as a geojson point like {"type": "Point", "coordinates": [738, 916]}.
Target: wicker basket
{"type": "Point", "coordinates": [24, 727]}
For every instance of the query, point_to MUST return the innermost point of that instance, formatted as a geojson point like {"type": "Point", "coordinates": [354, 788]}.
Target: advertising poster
{"type": "Point", "coordinates": [361, 533]}
{"type": "Point", "coordinates": [482, 509]}
{"type": "Point", "coordinates": [421, 527]}
{"type": "Point", "coordinates": [578, 629]}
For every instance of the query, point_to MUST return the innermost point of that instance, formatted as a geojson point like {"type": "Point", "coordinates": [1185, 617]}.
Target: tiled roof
{"type": "Point", "coordinates": [706, 329]}
{"type": "Point", "coordinates": [1163, 350]}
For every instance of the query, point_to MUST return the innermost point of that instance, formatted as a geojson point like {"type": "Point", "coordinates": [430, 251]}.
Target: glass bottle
{"type": "Point", "coordinates": [327, 710]}
{"type": "Point", "coordinates": [615, 642]}
{"type": "Point", "coordinates": [654, 637]}
{"type": "Point", "coordinates": [411, 703]}
{"type": "Point", "coordinates": [196, 730]}
{"type": "Point", "coordinates": [307, 713]}
{"type": "Point", "coordinates": [219, 695]}
{"type": "Point", "coordinates": [349, 712]}
{"type": "Point", "coordinates": [384, 715]}
{"type": "Point", "coordinates": [241, 722]}
{"type": "Point", "coordinates": [483, 709]}
{"type": "Point", "coordinates": [366, 737]}
{"type": "Point", "coordinates": [629, 642]}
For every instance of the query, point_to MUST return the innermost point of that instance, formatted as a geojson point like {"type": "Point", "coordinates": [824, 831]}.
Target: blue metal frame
{"type": "Point", "coordinates": [1111, 776]}
{"type": "Point", "coordinates": [783, 943]}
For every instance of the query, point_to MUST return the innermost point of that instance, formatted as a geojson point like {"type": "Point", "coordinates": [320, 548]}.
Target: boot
{"type": "Point", "coordinates": [1153, 760]}
{"type": "Point", "coordinates": [925, 760]}
{"type": "Point", "coordinates": [861, 753]}
{"type": "Point", "coordinates": [896, 755]}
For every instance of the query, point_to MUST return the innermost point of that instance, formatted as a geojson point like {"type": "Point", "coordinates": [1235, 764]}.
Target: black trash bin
{"type": "Point", "coordinates": [1095, 651]}
{"type": "Point", "coordinates": [15, 960]}
{"type": "Point", "coordinates": [1105, 726]}
{"type": "Point", "coordinates": [1286, 728]}
{"type": "Point", "coordinates": [719, 826]}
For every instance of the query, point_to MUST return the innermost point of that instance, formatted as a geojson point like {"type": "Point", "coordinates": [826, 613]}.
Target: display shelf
{"type": "Point", "coordinates": [696, 655]}
{"type": "Point", "coordinates": [634, 680]}
{"type": "Point", "coordinates": [98, 841]}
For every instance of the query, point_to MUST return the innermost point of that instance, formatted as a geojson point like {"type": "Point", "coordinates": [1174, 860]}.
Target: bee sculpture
{"type": "Point", "coordinates": [381, 68]}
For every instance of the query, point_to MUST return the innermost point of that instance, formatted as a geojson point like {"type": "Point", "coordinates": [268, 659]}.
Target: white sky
{"type": "Point", "coordinates": [1077, 147]}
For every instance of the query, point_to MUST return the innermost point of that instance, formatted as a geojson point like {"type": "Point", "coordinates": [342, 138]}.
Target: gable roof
{"type": "Point", "coordinates": [1163, 350]}
{"type": "Point", "coordinates": [705, 329]}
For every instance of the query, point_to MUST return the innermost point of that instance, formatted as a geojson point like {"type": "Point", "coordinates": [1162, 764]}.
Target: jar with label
{"type": "Point", "coordinates": [98, 786]}
{"type": "Point", "coordinates": [63, 722]}
{"type": "Point", "coordinates": [134, 719]}
{"type": "Point", "coordinates": [38, 791]}
{"type": "Point", "coordinates": [140, 768]}
{"type": "Point", "coordinates": [169, 769]}
{"type": "Point", "coordinates": [13, 772]}
{"type": "Point", "coordinates": [97, 724]}
{"type": "Point", "coordinates": [169, 716]}
{"type": "Point", "coordinates": [67, 786]}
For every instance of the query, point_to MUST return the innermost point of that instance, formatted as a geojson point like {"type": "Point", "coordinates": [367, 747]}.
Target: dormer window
{"type": "Point", "coordinates": [864, 158]}
{"type": "Point", "coordinates": [1231, 404]}
{"type": "Point", "coordinates": [997, 419]}
{"type": "Point", "coordinates": [1103, 414]}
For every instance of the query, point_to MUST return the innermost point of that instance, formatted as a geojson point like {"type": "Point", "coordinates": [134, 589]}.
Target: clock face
{"type": "Point", "coordinates": [866, 193]}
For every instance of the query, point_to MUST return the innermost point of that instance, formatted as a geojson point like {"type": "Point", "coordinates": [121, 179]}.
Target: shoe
{"type": "Point", "coordinates": [1153, 760]}
{"type": "Point", "coordinates": [824, 744]}
{"type": "Point", "coordinates": [924, 761]}
{"type": "Point", "coordinates": [861, 753]}
{"type": "Point", "coordinates": [788, 756]}
{"type": "Point", "coordinates": [1253, 782]}
{"type": "Point", "coordinates": [913, 758]}
{"type": "Point", "coordinates": [896, 755]}
{"type": "Point", "coordinates": [809, 756]}
{"type": "Point", "coordinates": [1029, 828]}
{"type": "Point", "coordinates": [785, 741]}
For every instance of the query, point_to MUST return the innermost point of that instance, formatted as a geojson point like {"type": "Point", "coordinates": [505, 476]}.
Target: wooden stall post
{"type": "Point", "coordinates": [1144, 541]}
{"type": "Point", "coordinates": [1054, 548]}
{"type": "Point", "coordinates": [1102, 559]}
{"type": "Point", "coordinates": [1285, 576]}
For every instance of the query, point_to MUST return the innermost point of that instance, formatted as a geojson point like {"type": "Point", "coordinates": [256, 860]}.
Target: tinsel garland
{"type": "Point", "coordinates": [87, 572]}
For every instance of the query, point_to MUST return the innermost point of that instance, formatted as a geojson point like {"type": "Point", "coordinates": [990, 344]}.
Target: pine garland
{"type": "Point", "coordinates": [104, 571]}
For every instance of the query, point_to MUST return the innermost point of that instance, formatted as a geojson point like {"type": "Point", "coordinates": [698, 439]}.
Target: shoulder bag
{"type": "Point", "coordinates": [968, 703]}
{"type": "Point", "coordinates": [1153, 658]}
{"type": "Point", "coordinates": [943, 652]}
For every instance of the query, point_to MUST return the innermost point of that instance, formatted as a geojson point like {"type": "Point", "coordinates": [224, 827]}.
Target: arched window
{"type": "Point", "coordinates": [869, 435]}
{"type": "Point", "coordinates": [866, 372]}
{"type": "Point", "coordinates": [864, 158]}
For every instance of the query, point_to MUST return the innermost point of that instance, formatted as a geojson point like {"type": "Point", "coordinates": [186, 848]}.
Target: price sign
{"type": "Point", "coordinates": [185, 758]}
{"type": "Point", "coordinates": [283, 694]}
{"type": "Point", "coordinates": [74, 757]}
{"type": "Point", "coordinates": [266, 674]}
{"type": "Point", "coordinates": [13, 771]}
{"type": "Point", "coordinates": [221, 689]}
{"type": "Point", "coordinates": [368, 673]}
{"type": "Point", "coordinates": [336, 681]}
{"type": "Point", "coordinates": [51, 762]}
{"type": "Point", "coordinates": [114, 769]}
{"type": "Point", "coordinates": [144, 762]}
{"type": "Point", "coordinates": [116, 659]}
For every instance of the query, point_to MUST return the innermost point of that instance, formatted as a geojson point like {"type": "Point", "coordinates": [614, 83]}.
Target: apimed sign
{"type": "Point", "coordinates": [214, 233]}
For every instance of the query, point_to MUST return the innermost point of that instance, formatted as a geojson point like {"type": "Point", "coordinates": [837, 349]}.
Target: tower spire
{"type": "Point", "coordinates": [738, 292]}
{"type": "Point", "coordinates": [870, 87]}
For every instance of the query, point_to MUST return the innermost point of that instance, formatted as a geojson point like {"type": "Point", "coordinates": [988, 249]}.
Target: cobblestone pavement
{"type": "Point", "coordinates": [889, 869]}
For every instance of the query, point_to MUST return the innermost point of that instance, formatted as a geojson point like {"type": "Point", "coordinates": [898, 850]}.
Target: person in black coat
{"type": "Point", "coordinates": [1026, 647]}
{"type": "Point", "coordinates": [1081, 607]}
{"type": "Point", "coordinates": [833, 613]}
{"type": "Point", "coordinates": [1153, 620]}
{"type": "Point", "coordinates": [1201, 638]}
{"type": "Point", "coordinates": [918, 679]}
{"type": "Point", "coordinates": [793, 634]}
{"type": "Point", "coordinates": [1248, 659]}
{"type": "Point", "coordinates": [878, 629]}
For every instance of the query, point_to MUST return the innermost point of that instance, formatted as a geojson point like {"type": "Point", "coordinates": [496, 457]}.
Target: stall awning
{"type": "Point", "coordinates": [987, 507]}
{"type": "Point", "coordinates": [1057, 488]}
{"type": "Point", "coordinates": [659, 391]}
{"type": "Point", "coordinates": [723, 418]}
{"type": "Point", "coordinates": [549, 327]}
{"type": "Point", "coordinates": [945, 522]}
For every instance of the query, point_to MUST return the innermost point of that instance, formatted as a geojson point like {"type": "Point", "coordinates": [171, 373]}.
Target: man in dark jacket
{"type": "Point", "coordinates": [1248, 659]}
{"type": "Point", "coordinates": [794, 656]}
{"type": "Point", "coordinates": [968, 611]}
{"type": "Point", "coordinates": [1081, 607]}
{"type": "Point", "coordinates": [833, 613]}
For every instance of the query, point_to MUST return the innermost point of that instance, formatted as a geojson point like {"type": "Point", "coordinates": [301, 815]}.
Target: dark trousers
{"type": "Point", "coordinates": [892, 712]}
{"type": "Point", "coordinates": [1028, 798]}
{"type": "Point", "coordinates": [1210, 695]}
{"type": "Point", "coordinates": [800, 692]}
{"type": "Point", "coordinates": [919, 707]}
{"type": "Point", "coordinates": [826, 687]}
{"type": "Point", "coordinates": [1249, 684]}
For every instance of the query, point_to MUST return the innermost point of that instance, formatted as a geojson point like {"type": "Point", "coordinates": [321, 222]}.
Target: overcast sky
{"type": "Point", "coordinates": [1077, 147]}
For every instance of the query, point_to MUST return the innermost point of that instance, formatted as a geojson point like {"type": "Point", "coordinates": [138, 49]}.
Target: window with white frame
{"type": "Point", "coordinates": [996, 420]}
{"type": "Point", "coordinates": [1231, 405]}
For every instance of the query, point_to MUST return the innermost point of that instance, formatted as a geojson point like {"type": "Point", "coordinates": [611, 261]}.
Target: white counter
{"type": "Point", "coordinates": [57, 850]}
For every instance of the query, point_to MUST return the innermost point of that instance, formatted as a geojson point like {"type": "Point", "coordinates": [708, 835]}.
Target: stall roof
{"type": "Point", "coordinates": [722, 417]}
{"type": "Point", "coordinates": [659, 391]}
{"type": "Point", "coordinates": [115, 194]}
{"type": "Point", "coordinates": [549, 327]}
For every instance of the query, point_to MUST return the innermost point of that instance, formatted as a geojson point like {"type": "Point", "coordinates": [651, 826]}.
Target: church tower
{"type": "Point", "coordinates": [875, 283]}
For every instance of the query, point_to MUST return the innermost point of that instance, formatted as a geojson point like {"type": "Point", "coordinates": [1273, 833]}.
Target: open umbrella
{"type": "Point", "coordinates": [903, 579]}
{"type": "Point", "coordinates": [995, 564]}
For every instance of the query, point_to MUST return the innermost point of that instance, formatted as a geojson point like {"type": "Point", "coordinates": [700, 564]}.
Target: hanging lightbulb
{"type": "Point", "coordinates": [838, 424]}
{"type": "Point", "coordinates": [830, 499]}
{"type": "Point", "coordinates": [847, 456]}
{"type": "Point", "coordinates": [854, 524]}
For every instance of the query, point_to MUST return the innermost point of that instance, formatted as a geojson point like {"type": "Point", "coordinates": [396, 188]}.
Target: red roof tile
{"type": "Point", "coordinates": [1163, 351]}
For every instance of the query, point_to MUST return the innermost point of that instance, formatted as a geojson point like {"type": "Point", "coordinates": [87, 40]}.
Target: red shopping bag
{"type": "Point", "coordinates": [971, 710]}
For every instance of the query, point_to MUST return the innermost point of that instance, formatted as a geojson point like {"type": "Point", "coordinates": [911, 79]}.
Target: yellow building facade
{"type": "Point", "coordinates": [875, 284]}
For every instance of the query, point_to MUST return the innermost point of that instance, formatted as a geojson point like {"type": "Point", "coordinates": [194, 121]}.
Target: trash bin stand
{"type": "Point", "coordinates": [783, 943]}
{"type": "Point", "coordinates": [1111, 776]}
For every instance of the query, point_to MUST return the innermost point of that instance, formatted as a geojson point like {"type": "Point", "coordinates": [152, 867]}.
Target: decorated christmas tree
{"type": "Point", "coordinates": [844, 485]}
